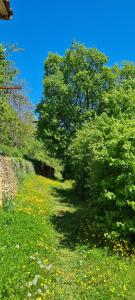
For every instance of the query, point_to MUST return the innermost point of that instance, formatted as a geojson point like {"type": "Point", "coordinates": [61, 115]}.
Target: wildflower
{"type": "Point", "coordinates": [39, 291]}
{"type": "Point", "coordinates": [32, 257]}
{"type": "Point", "coordinates": [112, 290]}
{"type": "Point", "coordinates": [45, 287]}
{"type": "Point", "coordinates": [42, 266]}
{"type": "Point", "coordinates": [35, 280]}
{"type": "Point", "coordinates": [29, 295]}
{"type": "Point", "coordinates": [29, 284]}
{"type": "Point", "coordinates": [39, 262]}
{"type": "Point", "coordinates": [17, 246]}
{"type": "Point", "coordinates": [49, 267]}
{"type": "Point", "coordinates": [37, 276]}
{"type": "Point", "coordinates": [124, 288]}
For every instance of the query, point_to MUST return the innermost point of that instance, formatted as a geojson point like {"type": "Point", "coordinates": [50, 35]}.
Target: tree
{"type": "Point", "coordinates": [74, 86]}
{"type": "Point", "coordinates": [17, 127]}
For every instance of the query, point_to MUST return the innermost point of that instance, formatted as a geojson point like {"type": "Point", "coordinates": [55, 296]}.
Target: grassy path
{"type": "Point", "coordinates": [47, 249]}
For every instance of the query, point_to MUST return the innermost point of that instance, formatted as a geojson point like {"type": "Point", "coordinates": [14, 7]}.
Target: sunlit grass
{"type": "Point", "coordinates": [46, 253]}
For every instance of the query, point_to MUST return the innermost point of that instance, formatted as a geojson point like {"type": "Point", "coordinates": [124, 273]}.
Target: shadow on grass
{"type": "Point", "coordinates": [76, 225]}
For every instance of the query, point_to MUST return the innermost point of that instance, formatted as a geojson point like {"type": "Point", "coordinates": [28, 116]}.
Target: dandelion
{"type": "Point", "coordinates": [112, 290]}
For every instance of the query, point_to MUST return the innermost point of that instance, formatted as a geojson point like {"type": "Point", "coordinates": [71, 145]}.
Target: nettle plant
{"type": "Point", "coordinates": [103, 159]}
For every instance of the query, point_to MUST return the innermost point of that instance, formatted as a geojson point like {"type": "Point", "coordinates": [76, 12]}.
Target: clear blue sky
{"type": "Point", "coordinates": [49, 25]}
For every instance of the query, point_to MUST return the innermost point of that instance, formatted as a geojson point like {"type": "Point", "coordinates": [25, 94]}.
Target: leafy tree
{"type": "Point", "coordinates": [17, 128]}
{"type": "Point", "coordinates": [18, 125]}
{"type": "Point", "coordinates": [121, 99]}
{"type": "Point", "coordinates": [73, 86]}
{"type": "Point", "coordinates": [7, 70]}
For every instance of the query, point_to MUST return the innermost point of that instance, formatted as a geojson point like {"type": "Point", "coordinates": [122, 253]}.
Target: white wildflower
{"type": "Point", "coordinates": [42, 266]}
{"type": "Point", "coordinates": [49, 267]}
{"type": "Point", "coordinates": [35, 280]}
{"type": "Point", "coordinates": [32, 257]}
{"type": "Point", "coordinates": [29, 284]}
{"type": "Point", "coordinates": [39, 291]}
{"type": "Point", "coordinates": [17, 246]}
{"type": "Point", "coordinates": [29, 295]}
{"type": "Point", "coordinates": [37, 276]}
{"type": "Point", "coordinates": [45, 287]}
{"type": "Point", "coordinates": [47, 291]}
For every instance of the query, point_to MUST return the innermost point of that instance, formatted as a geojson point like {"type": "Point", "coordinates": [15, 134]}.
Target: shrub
{"type": "Point", "coordinates": [22, 167]}
{"type": "Point", "coordinates": [103, 159]}
{"type": "Point", "coordinates": [39, 154]}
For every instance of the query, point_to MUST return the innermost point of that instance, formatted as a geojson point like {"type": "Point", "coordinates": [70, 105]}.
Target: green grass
{"type": "Point", "coordinates": [49, 249]}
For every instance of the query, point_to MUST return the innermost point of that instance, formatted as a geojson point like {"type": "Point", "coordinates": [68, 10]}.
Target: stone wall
{"type": "Point", "coordinates": [13, 169]}
{"type": "Point", "coordinates": [8, 178]}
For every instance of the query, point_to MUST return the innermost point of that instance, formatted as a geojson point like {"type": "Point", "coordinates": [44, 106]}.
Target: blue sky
{"type": "Point", "coordinates": [50, 26]}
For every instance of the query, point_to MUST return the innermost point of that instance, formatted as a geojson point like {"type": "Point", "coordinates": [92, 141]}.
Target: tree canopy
{"type": "Point", "coordinates": [77, 87]}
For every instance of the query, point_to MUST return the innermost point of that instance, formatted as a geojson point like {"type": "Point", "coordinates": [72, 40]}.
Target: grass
{"type": "Point", "coordinates": [49, 250]}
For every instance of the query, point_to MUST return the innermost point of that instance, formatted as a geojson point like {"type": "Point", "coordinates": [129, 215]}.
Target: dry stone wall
{"type": "Point", "coordinates": [8, 178]}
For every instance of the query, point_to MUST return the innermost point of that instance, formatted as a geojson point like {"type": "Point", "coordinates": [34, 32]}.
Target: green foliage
{"type": "Point", "coordinates": [25, 237]}
{"type": "Point", "coordinates": [38, 152]}
{"type": "Point", "coordinates": [22, 167]}
{"type": "Point", "coordinates": [18, 128]}
{"type": "Point", "coordinates": [103, 156]}
{"type": "Point", "coordinates": [7, 203]}
{"type": "Point", "coordinates": [35, 261]}
{"type": "Point", "coordinates": [73, 84]}
{"type": "Point", "coordinates": [121, 100]}
{"type": "Point", "coordinates": [77, 87]}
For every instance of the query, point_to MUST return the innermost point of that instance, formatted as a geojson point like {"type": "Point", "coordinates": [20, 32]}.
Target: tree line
{"type": "Point", "coordinates": [18, 122]}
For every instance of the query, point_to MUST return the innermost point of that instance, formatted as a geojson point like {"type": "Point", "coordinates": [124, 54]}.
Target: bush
{"type": "Point", "coordinates": [22, 167]}
{"type": "Point", "coordinates": [39, 154]}
{"type": "Point", "coordinates": [103, 159]}
{"type": "Point", "coordinates": [10, 151]}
